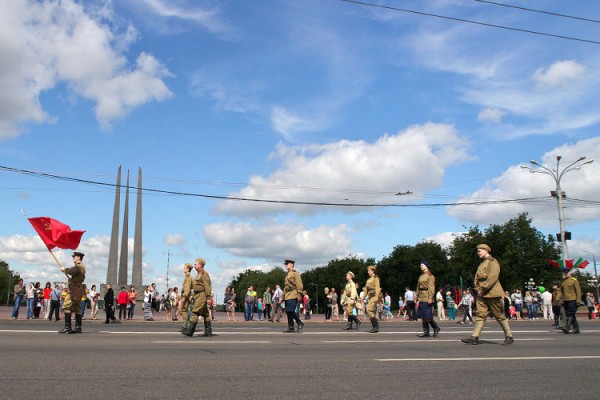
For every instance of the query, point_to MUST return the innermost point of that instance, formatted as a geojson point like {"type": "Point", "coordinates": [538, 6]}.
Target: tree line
{"type": "Point", "coordinates": [522, 250]}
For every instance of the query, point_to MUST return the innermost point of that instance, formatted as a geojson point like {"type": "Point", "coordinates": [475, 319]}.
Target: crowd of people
{"type": "Point", "coordinates": [196, 300]}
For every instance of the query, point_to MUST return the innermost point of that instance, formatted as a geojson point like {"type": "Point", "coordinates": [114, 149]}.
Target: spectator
{"type": "Point", "coordinates": [39, 300]}
{"type": "Point", "coordinates": [529, 304]}
{"type": "Point", "coordinates": [334, 305]}
{"type": "Point", "coordinates": [166, 303]}
{"type": "Point", "coordinates": [466, 303]}
{"type": "Point", "coordinates": [249, 302]}
{"type": "Point", "coordinates": [439, 299]}
{"type": "Point", "coordinates": [409, 298]}
{"type": "Point", "coordinates": [94, 295]}
{"type": "Point", "coordinates": [230, 304]}
{"type": "Point", "coordinates": [55, 295]}
{"type": "Point", "coordinates": [30, 300]}
{"type": "Point", "coordinates": [19, 293]}
{"type": "Point", "coordinates": [85, 292]}
{"type": "Point", "coordinates": [267, 304]}
{"type": "Point", "coordinates": [387, 306]}
{"type": "Point", "coordinates": [154, 299]}
{"type": "Point", "coordinates": [174, 300]}
{"type": "Point", "coordinates": [132, 302]}
{"type": "Point", "coordinates": [401, 310]}
{"type": "Point", "coordinates": [307, 305]}
{"type": "Point", "coordinates": [47, 291]}
{"type": "Point", "coordinates": [547, 305]}
{"type": "Point", "coordinates": [148, 298]}
{"type": "Point", "coordinates": [277, 300]}
{"type": "Point", "coordinates": [122, 301]}
{"type": "Point", "coordinates": [109, 304]}
{"type": "Point", "coordinates": [590, 304]}
{"type": "Point", "coordinates": [517, 300]}
{"type": "Point", "coordinates": [451, 304]}
{"type": "Point", "coordinates": [259, 308]}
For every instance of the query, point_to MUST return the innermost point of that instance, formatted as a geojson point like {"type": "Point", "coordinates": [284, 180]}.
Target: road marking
{"type": "Point", "coordinates": [490, 358]}
{"type": "Point", "coordinates": [210, 341]}
{"type": "Point", "coordinates": [423, 340]}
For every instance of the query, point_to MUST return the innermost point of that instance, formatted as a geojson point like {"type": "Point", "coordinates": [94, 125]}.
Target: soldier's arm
{"type": "Point", "coordinates": [72, 271]}
{"type": "Point", "coordinates": [492, 277]}
{"type": "Point", "coordinates": [431, 288]}
{"type": "Point", "coordinates": [377, 289]}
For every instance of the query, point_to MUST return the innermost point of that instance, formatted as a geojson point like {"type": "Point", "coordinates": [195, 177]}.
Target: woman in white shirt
{"type": "Point", "coordinates": [94, 301]}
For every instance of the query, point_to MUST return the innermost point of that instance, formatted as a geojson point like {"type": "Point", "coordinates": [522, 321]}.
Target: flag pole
{"type": "Point", "coordinates": [51, 252]}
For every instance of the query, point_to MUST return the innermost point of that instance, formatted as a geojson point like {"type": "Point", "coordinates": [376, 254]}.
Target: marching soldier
{"type": "Point", "coordinates": [425, 294]}
{"type": "Point", "coordinates": [489, 296]}
{"type": "Point", "coordinates": [373, 290]}
{"type": "Point", "coordinates": [571, 295]}
{"type": "Point", "coordinates": [202, 292]}
{"type": "Point", "coordinates": [350, 299]}
{"type": "Point", "coordinates": [291, 290]}
{"type": "Point", "coordinates": [186, 290]}
{"type": "Point", "coordinates": [76, 275]}
{"type": "Point", "coordinates": [557, 309]}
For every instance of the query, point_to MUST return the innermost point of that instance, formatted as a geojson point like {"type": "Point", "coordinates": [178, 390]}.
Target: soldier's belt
{"type": "Point", "coordinates": [371, 294]}
{"type": "Point", "coordinates": [423, 288]}
{"type": "Point", "coordinates": [199, 291]}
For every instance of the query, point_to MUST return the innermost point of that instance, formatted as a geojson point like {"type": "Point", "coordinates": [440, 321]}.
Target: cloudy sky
{"type": "Point", "coordinates": [292, 129]}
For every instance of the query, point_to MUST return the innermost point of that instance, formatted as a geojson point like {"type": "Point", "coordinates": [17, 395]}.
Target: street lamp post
{"type": "Point", "coordinates": [557, 176]}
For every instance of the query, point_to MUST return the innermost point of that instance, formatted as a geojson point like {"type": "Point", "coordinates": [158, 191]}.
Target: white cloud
{"type": "Point", "coordinates": [491, 115]}
{"type": "Point", "coordinates": [276, 241]}
{"type": "Point", "coordinates": [516, 183]}
{"type": "Point", "coordinates": [175, 239]}
{"type": "Point", "coordinates": [560, 73]}
{"type": "Point", "coordinates": [43, 44]}
{"type": "Point", "coordinates": [351, 172]}
{"type": "Point", "coordinates": [445, 239]}
{"type": "Point", "coordinates": [288, 123]}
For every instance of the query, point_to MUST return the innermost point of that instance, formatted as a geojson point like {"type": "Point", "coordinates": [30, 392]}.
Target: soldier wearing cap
{"type": "Point", "coordinates": [350, 299]}
{"type": "Point", "coordinates": [76, 275]}
{"type": "Point", "coordinates": [571, 296]}
{"type": "Point", "coordinates": [186, 291]}
{"type": "Point", "coordinates": [202, 293]}
{"type": "Point", "coordinates": [373, 290]}
{"type": "Point", "coordinates": [291, 290]}
{"type": "Point", "coordinates": [425, 295]}
{"type": "Point", "coordinates": [489, 296]}
{"type": "Point", "coordinates": [557, 309]}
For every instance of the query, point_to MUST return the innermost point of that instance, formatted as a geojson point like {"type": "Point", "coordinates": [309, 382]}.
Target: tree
{"type": "Point", "coordinates": [259, 279]}
{"type": "Point", "coordinates": [8, 279]}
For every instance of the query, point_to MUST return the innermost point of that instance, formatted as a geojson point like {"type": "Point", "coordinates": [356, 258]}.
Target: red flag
{"type": "Point", "coordinates": [56, 234]}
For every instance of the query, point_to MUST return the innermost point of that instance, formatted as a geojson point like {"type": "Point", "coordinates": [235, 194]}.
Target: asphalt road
{"type": "Point", "coordinates": [137, 360]}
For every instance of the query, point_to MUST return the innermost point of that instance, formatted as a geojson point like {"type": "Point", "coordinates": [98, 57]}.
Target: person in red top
{"type": "Point", "coordinates": [47, 291]}
{"type": "Point", "coordinates": [122, 301]}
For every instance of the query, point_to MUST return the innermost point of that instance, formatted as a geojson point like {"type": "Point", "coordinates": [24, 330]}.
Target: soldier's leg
{"type": "Point", "coordinates": [482, 312]}
{"type": "Point", "coordinates": [67, 310]}
{"type": "Point", "coordinates": [497, 307]}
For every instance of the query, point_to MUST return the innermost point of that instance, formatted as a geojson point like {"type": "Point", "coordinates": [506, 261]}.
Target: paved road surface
{"type": "Point", "coordinates": [137, 360]}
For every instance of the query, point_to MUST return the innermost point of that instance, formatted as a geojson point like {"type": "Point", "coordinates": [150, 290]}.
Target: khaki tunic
{"type": "Point", "coordinates": [373, 290]}
{"type": "Point", "coordinates": [72, 303]}
{"type": "Point", "coordinates": [426, 288]}
{"type": "Point", "coordinates": [487, 279]}
{"type": "Point", "coordinates": [557, 297]}
{"type": "Point", "coordinates": [292, 285]}
{"type": "Point", "coordinates": [186, 290]}
{"type": "Point", "coordinates": [570, 289]}
{"type": "Point", "coordinates": [350, 296]}
{"type": "Point", "coordinates": [202, 292]}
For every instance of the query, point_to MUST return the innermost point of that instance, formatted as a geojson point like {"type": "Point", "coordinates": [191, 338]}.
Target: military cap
{"type": "Point", "coordinates": [201, 261]}
{"type": "Point", "coordinates": [484, 247]}
{"type": "Point", "coordinates": [78, 254]}
{"type": "Point", "coordinates": [351, 273]}
{"type": "Point", "coordinates": [286, 262]}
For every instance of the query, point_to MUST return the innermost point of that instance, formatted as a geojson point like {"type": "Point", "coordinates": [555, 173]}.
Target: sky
{"type": "Point", "coordinates": [311, 130]}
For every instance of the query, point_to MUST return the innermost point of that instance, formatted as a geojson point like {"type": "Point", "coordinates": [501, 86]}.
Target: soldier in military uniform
{"type": "Point", "coordinates": [571, 294]}
{"type": "Point", "coordinates": [291, 291]}
{"type": "Point", "coordinates": [372, 289]}
{"type": "Point", "coordinates": [557, 308]}
{"type": "Point", "coordinates": [425, 294]}
{"type": "Point", "coordinates": [202, 293]}
{"type": "Point", "coordinates": [76, 275]}
{"type": "Point", "coordinates": [350, 299]}
{"type": "Point", "coordinates": [489, 296]}
{"type": "Point", "coordinates": [186, 291]}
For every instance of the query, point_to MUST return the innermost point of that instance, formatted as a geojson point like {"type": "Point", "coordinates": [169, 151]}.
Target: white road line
{"type": "Point", "coordinates": [424, 340]}
{"type": "Point", "coordinates": [489, 358]}
{"type": "Point", "coordinates": [210, 341]}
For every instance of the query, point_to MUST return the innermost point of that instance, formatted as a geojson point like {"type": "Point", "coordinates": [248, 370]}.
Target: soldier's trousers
{"type": "Point", "coordinates": [200, 308]}
{"type": "Point", "coordinates": [496, 306]}
{"type": "Point", "coordinates": [72, 305]}
{"type": "Point", "coordinates": [184, 308]}
{"type": "Point", "coordinates": [372, 308]}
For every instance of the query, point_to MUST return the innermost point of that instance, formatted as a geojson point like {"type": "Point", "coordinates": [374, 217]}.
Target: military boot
{"type": "Point", "coordinates": [567, 326]}
{"type": "Point", "coordinates": [207, 328]}
{"type": "Point", "coordinates": [77, 325]}
{"type": "Point", "coordinates": [575, 327]}
{"type": "Point", "coordinates": [67, 327]}
{"type": "Point", "coordinates": [356, 321]}
{"type": "Point", "coordinates": [191, 329]}
{"type": "Point", "coordinates": [375, 325]}
{"type": "Point", "coordinates": [348, 325]}
{"type": "Point", "coordinates": [425, 330]}
{"type": "Point", "coordinates": [436, 328]}
{"type": "Point", "coordinates": [185, 325]}
{"type": "Point", "coordinates": [471, 340]}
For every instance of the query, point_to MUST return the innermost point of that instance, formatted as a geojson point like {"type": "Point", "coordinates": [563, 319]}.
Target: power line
{"type": "Point", "coordinates": [468, 21]}
{"type": "Point", "coordinates": [538, 11]}
{"type": "Point", "coordinates": [271, 201]}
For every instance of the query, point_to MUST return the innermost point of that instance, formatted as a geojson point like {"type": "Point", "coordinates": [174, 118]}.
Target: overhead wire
{"type": "Point", "coordinates": [468, 21]}
{"type": "Point", "coordinates": [538, 11]}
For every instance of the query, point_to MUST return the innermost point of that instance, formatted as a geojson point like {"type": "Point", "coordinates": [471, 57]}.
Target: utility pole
{"type": "Point", "coordinates": [557, 175]}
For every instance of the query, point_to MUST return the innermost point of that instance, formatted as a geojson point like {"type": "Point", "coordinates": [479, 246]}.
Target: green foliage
{"type": "Point", "coordinates": [8, 280]}
{"type": "Point", "coordinates": [521, 249]}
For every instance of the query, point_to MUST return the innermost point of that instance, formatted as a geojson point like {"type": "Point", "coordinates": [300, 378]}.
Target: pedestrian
{"type": "Point", "coordinates": [76, 275]}
{"type": "Point", "coordinates": [148, 299]}
{"type": "Point", "coordinates": [55, 304]}
{"type": "Point", "coordinates": [571, 294]}
{"type": "Point", "coordinates": [590, 304]}
{"type": "Point", "coordinates": [409, 300]}
{"type": "Point", "coordinates": [327, 304]}
{"type": "Point", "coordinates": [350, 300]}
{"type": "Point", "coordinates": [267, 304]}
{"type": "Point", "coordinates": [132, 295]}
{"type": "Point", "coordinates": [335, 313]}
{"type": "Point", "coordinates": [372, 289]}
{"type": "Point", "coordinates": [259, 308]}
{"type": "Point", "coordinates": [249, 303]}
{"type": "Point", "coordinates": [30, 300]}
{"type": "Point", "coordinates": [94, 296]}
{"type": "Point", "coordinates": [277, 301]}
{"type": "Point", "coordinates": [401, 310]}
{"type": "Point", "coordinates": [425, 296]}
{"type": "Point", "coordinates": [122, 301]}
{"type": "Point", "coordinates": [228, 300]}
{"type": "Point", "coordinates": [84, 300]}
{"type": "Point", "coordinates": [439, 299]}
{"type": "Point", "coordinates": [47, 291]}
{"type": "Point", "coordinates": [451, 305]}
{"type": "Point", "coordinates": [167, 304]}
{"type": "Point", "coordinates": [39, 301]}
{"type": "Point", "coordinates": [154, 300]}
{"type": "Point", "coordinates": [466, 303]}
{"type": "Point", "coordinates": [184, 305]}
{"type": "Point", "coordinates": [517, 300]}
{"type": "Point", "coordinates": [19, 293]}
{"type": "Point", "coordinates": [557, 305]}
{"type": "Point", "coordinates": [489, 296]}
{"type": "Point", "coordinates": [387, 302]}
{"type": "Point", "coordinates": [174, 300]}
{"type": "Point", "coordinates": [109, 304]}
{"type": "Point", "coordinates": [291, 291]}
{"type": "Point", "coordinates": [202, 293]}
{"type": "Point", "coordinates": [547, 305]}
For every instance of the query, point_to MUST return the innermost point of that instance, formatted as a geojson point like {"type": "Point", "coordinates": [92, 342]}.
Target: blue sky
{"type": "Point", "coordinates": [294, 101]}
